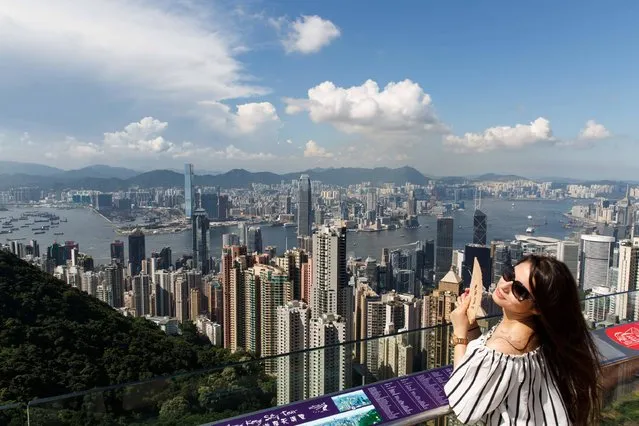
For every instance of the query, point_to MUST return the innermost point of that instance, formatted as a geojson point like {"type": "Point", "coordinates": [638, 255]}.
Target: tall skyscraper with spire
{"type": "Point", "coordinates": [304, 206]}
{"type": "Point", "coordinates": [480, 225]}
{"type": "Point", "coordinates": [188, 190]}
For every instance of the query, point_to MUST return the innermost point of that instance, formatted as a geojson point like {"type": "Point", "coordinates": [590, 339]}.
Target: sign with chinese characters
{"type": "Point", "coordinates": [373, 404]}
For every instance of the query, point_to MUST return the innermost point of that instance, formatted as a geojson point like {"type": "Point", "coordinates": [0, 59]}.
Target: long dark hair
{"type": "Point", "coordinates": [570, 352]}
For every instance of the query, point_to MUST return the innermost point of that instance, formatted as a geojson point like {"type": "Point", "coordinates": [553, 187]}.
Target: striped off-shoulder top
{"type": "Point", "coordinates": [500, 389]}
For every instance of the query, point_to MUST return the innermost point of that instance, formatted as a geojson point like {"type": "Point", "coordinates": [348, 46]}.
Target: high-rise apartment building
{"type": "Point", "coordinates": [195, 303]}
{"type": "Point", "coordinates": [276, 290]}
{"type": "Point", "coordinates": [142, 295]}
{"type": "Point", "coordinates": [117, 251]}
{"type": "Point", "coordinates": [436, 311]}
{"type": "Point", "coordinates": [234, 266]}
{"type": "Point", "coordinates": [114, 284]}
{"type": "Point", "coordinates": [330, 368]}
{"type": "Point", "coordinates": [293, 332]}
{"type": "Point", "coordinates": [137, 251]}
{"type": "Point", "coordinates": [304, 207]}
{"type": "Point", "coordinates": [181, 292]}
{"type": "Point", "coordinates": [200, 229]}
{"type": "Point", "coordinates": [189, 200]}
{"type": "Point", "coordinates": [595, 260]}
{"type": "Point", "coordinates": [627, 279]}
{"type": "Point", "coordinates": [396, 354]}
{"type": "Point", "coordinates": [294, 263]}
{"type": "Point", "coordinates": [444, 254]}
{"type": "Point", "coordinates": [330, 292]}
{"type": "Point", "coordinates": [163, 294]}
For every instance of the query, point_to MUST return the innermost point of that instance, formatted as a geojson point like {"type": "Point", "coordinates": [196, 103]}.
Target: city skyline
{"type": "Point", "coordinates": [271, 105]}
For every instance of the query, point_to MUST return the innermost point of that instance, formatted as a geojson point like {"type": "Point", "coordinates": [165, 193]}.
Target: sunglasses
{"type": "Point", "coordinates": [518, 289]}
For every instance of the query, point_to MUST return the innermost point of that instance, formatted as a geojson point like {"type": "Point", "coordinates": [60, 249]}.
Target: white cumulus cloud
{"type": "Point", "coordinates": [171, 54]}
{"type": "Point", "coordinates": [312, 149]}
{"type": "Point", "coordinates": [308, 34]}
{"type": "Point", "coordinates": [249, 117]}
{"type": "Point", "coordinates": [594, 131]}
{"type": "Point", "coordinates": [398, 107]}
{"type": "Point", "coordinates": [253, 115]}
{"type": "Point", "coordinates": [143, 136]}
{"type": "Point", "coordinates": [519, 136]}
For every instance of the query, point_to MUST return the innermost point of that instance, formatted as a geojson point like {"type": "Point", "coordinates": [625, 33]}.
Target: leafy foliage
{"type": "Point", "coordinates": [55, 340]}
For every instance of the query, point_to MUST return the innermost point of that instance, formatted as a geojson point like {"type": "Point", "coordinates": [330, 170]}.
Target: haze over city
{"type": "Point", "coordinates": [287, 86]}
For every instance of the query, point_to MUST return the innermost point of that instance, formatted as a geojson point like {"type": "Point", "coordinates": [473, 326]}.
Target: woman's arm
{"type": "Point", "coordinates": [461, 328]}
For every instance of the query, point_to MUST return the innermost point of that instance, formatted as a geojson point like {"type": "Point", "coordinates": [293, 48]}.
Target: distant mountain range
{"type": "Point", "coordinates": [107, 178]}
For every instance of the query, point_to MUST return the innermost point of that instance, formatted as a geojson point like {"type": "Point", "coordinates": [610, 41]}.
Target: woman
{"type": "Point", "coordinates": [539, 365]}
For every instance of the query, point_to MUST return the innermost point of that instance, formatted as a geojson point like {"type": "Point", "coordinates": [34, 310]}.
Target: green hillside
{"type": "Point", "coordinates": [55, 339]}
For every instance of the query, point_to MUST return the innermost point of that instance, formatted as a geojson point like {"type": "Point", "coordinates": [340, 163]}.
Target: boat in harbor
{"type": "Point", "coordinates": [39, 232]}
{"type": "Point", "coordinates": [530, 230]}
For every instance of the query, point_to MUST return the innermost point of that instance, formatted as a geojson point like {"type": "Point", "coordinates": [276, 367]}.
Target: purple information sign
{"type": "Point", "coordinates": [372, 404]}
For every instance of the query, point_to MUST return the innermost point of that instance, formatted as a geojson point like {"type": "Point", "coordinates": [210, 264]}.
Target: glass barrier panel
{"type": "Point", "coordinates": [13, 414]}
{"type": "Point", "coordinates": [254, 385]}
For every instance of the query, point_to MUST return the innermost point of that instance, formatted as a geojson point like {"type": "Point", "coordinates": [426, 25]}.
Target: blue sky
{"type": "Point", "coordinates": [451, 88]}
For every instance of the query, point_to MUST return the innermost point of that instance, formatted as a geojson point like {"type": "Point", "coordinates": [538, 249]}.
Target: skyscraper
{"type": "Point", "coordinates": [501, 259]}
{"type": "Point", "coordinates": [165, 258]}
{"type": "Point", "coordinates": [479, 227]}
{"type": "Point", "coordinates": [304, 206]}
{"type": "Point", "coordinates": [222, 206]}
{"type": "Point", "coordinates": [209, 203]}
{"type": "Point", "coordinates": [568, 252]}
{"type": "Point", "coordinates": [595, 260]}
{"type": "Point", "coordinates": [117, 251]}
{"type": "Point", "coordinates": [412, 204]}
{"type": "Point", "coordinates": [254, 240]}
{"type": "Point", "coordinates": [444, 251]}
{"type": "Point", "coordinates": [230, 240]}
{"type": "Point", "coordinates": [482, 254]}
{"type": "Point", "coordinates": [136, 251]}
{"type": "Point", "coordinates": [200, 241]}
{"type": "Point", "coordinates": [188, 190]}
